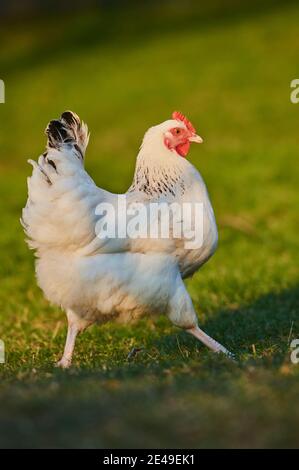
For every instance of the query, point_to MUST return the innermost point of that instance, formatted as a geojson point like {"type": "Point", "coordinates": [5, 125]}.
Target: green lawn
{"type": "Point", "coordinates": [230, 72]}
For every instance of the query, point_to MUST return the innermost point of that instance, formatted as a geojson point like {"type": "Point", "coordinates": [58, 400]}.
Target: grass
{"type": "Point", "coordinates": [230, 73]}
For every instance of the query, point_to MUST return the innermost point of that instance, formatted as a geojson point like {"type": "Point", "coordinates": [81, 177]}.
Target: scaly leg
{"type": "Point", "coordinates": [75, 326]}
{"type": "Point", "coordinates": [182, 314]}
{"type": "Point", "coordinates": [209, 342]}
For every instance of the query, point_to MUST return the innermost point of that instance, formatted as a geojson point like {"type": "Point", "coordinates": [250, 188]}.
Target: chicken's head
{"type": "Point", "coordinates": [179, 134]}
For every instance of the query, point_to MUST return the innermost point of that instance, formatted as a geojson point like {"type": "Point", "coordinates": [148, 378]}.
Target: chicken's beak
{"type": "Point", "coordinates": [196, 138]}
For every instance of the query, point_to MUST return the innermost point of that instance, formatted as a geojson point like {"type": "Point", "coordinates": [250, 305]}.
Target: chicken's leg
{"type": "Point", "coordinates": [75, 326]}
{"type": "Point", "coordinates": [181, 312]}
{"type": "Point", "coordinates": [66, 359]}
{"type": "Point", "coordinates": [209, 342]}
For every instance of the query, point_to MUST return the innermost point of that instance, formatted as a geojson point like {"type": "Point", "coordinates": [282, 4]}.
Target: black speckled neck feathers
{"type": "Point", "coordinates": [157, 182]}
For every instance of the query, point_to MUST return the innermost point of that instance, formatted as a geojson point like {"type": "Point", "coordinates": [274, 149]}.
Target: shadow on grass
{"type": "Point", "coordinates": [176, 399]}
{"type": "Point", "coordinates": [260, 329]}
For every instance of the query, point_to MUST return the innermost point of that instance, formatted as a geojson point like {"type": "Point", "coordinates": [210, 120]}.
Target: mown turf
{"type": "Point", "coordinates": [230, 72]}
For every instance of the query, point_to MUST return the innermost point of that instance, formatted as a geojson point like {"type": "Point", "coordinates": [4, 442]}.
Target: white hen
{"type": "Point", "coordinates": [97, 279]}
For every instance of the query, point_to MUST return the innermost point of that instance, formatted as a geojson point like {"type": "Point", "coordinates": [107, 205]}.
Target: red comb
{"type": "Point", "coordinates": [180, 117]}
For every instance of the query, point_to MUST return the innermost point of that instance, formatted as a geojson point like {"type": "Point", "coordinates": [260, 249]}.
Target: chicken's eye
{"type": "Point", "coordinates": [178, 131]}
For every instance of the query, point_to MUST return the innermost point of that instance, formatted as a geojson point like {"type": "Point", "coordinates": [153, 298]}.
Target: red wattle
{"type": "Point", "coordinates": [183, 149]}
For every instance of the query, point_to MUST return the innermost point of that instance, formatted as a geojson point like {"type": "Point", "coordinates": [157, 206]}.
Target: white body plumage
{"type": "Point", "coordinates": [97, 280]}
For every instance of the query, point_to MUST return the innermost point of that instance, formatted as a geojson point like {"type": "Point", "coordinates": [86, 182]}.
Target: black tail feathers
{"type": "Point", "coordinates": [68, 130]}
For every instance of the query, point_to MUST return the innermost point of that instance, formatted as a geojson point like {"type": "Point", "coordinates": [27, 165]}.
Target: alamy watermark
{"type": "Point", "coordinates": [2, 352]}
{"type": "Point", "coordinates": [295, 351]}
{"type": "Point", "coordinates": [152, 220]}
{"type": "Point", "coordinates": [294, 96]}
{"type": "Point", "coordinates": [2, 91]}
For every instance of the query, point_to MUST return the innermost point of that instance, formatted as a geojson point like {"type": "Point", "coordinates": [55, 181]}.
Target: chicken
{"type": "Point", "coordinates": [97, 278]}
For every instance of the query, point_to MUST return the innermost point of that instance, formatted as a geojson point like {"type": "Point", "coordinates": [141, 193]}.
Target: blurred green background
{"type": "Point", "coordinates": [124, 66]}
